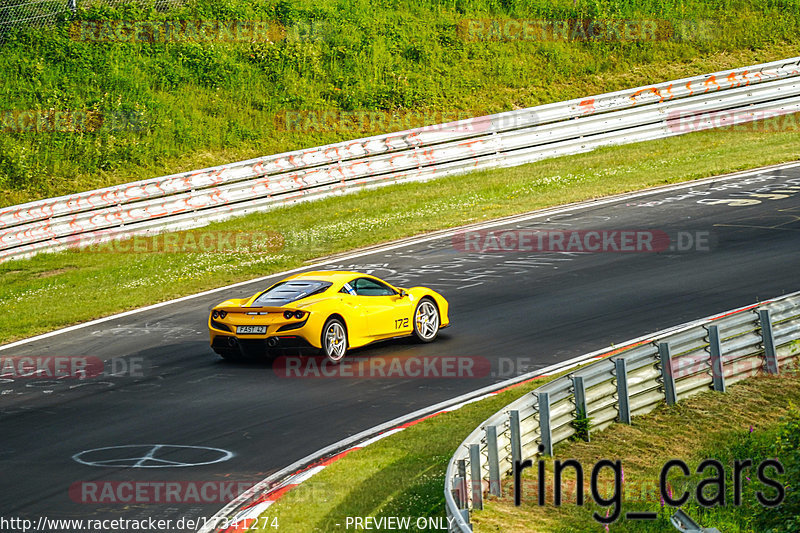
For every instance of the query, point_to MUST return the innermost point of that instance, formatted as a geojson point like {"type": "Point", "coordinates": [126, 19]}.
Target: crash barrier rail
{"type": "Point", "coordinates": [710, 354]}
{"type": "Point", "coordinates": [684, 523]}
{"type": "Point", "coordinates": [196, 198]}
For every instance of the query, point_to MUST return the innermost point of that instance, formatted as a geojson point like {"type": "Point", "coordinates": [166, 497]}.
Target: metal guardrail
{"type": "Point", "coordinates": [684, 523]}
{"type": "Point", "coordinates": [710, 354]}
{"type": "Point", "coordinates": [196, 198]}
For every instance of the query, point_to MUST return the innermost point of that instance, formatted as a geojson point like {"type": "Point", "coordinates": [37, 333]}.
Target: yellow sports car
{"type": "Point", "coordinates": [330, 311]}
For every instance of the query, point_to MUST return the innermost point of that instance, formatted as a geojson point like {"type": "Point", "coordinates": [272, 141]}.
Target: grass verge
{"type": "Point", "coordinates": [105, 283]}
{"type": "Point", "coordinates": [403, 475]}
{"type": "Point", "coordinates": [756, 419]}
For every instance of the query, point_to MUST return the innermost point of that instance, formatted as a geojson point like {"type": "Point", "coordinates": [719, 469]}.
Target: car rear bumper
{"type": "Point", "coordinates": [223, 335]}
{"type": "Point", "coordinates": [243, 347]}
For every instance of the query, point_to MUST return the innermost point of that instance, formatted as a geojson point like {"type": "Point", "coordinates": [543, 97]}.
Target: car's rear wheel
{"type": "Point", "coordinates": [426, 320]}
{"type": "Point", "coordinates": [334, 340]}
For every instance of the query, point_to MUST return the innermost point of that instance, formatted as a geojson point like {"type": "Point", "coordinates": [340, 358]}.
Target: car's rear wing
{"type": "Point", "coordinates": [257, 310]}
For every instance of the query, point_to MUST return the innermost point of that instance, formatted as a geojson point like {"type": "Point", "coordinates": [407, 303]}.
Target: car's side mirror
{"type": "Point", "coordinates": [403, 293]}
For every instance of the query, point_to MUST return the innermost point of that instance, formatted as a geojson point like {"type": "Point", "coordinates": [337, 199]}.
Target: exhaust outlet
{"type": "Point", "coordinates": [272, 342]}
{"type": "Point", "coordinates": [231, 341]}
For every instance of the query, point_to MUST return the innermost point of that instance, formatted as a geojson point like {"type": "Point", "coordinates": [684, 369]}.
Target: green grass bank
{"type": "Point", "coordinates": [157, 108]}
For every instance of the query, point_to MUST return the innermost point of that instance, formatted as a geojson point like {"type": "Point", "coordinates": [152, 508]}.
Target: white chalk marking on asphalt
{"type": "Point", "coordinates": [146, 459]}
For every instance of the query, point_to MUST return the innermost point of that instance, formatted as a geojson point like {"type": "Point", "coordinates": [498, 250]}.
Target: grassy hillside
{"type": "Point", "coordinates": [155, 108]}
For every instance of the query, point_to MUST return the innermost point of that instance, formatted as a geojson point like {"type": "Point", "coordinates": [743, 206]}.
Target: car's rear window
{"type": "Point", "coordinates": [291, 291]}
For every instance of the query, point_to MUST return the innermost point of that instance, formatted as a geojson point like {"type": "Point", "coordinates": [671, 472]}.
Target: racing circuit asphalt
{"type": "Point", "coordinates": [520, 310]}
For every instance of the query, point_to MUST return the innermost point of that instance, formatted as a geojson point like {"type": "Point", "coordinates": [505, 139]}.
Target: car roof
{"type": "Point", "coordinates": [334, 276]}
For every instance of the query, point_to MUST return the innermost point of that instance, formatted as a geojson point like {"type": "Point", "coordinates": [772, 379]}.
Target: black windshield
{"type": "Point", "coordinates": [290, 291]}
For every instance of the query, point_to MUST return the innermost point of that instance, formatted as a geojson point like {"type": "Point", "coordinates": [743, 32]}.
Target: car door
{"type": "Point", "coordinates": [385, 311]}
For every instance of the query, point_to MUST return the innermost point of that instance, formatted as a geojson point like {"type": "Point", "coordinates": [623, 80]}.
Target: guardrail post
{"type": "Point", "coordinates": [465, 516]}
{"type": "Point", "coordinates": [516, 437]}
{"type": "Point", "coordinates": [544, 423]}
{"type": "Point", "coordinates": [580, 400]}
{"type": "Point", "coordinates": [623, 401]}
{"type": "Point", "coordinates": [667, 373]}
{"type": "Point", "coordinates": [494, 461]}
{"type": "Point", "coordinates": [461, 464]}
{"type": "Point", "coordinates": [461, 467]}
{"type": "Point", "coordinates": [476, 476]}
{"type": "Point", "coordinates": [458, 491]}
{"type": "Point", "coordinates": [715, 348]}
{"type": "Point", "coordinates": [770, 354]}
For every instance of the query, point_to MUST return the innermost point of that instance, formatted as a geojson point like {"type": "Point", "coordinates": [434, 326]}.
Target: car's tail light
{"type": "Point", "coordinates": [288, 314]}
{"type": "Point", "coordinates": [299, 314]}
{"type": "Point", "coordinates": [214, 314]}
{"type": "Point", "coordinates": [223, 314]}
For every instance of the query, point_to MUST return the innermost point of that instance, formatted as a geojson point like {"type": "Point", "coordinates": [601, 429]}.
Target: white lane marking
{"type": "Point", "coordinates": [458, 406]}
{"type": "Point", "coordinates": [403, 244]}
{"type": "Point", "coordinates": [377, 438]}
{"type": "Point", "coordinates": [303, 476]}
{"type": "Point", "coordinates": [249, 513]}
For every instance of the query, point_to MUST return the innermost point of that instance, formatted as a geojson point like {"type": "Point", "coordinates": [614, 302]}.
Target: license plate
{"type": "Point", "coordinates": [251, 330]}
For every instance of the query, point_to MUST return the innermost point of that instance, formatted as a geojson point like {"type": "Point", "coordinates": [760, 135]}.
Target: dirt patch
{"type": "Point", "coordinates": [51, 273]}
